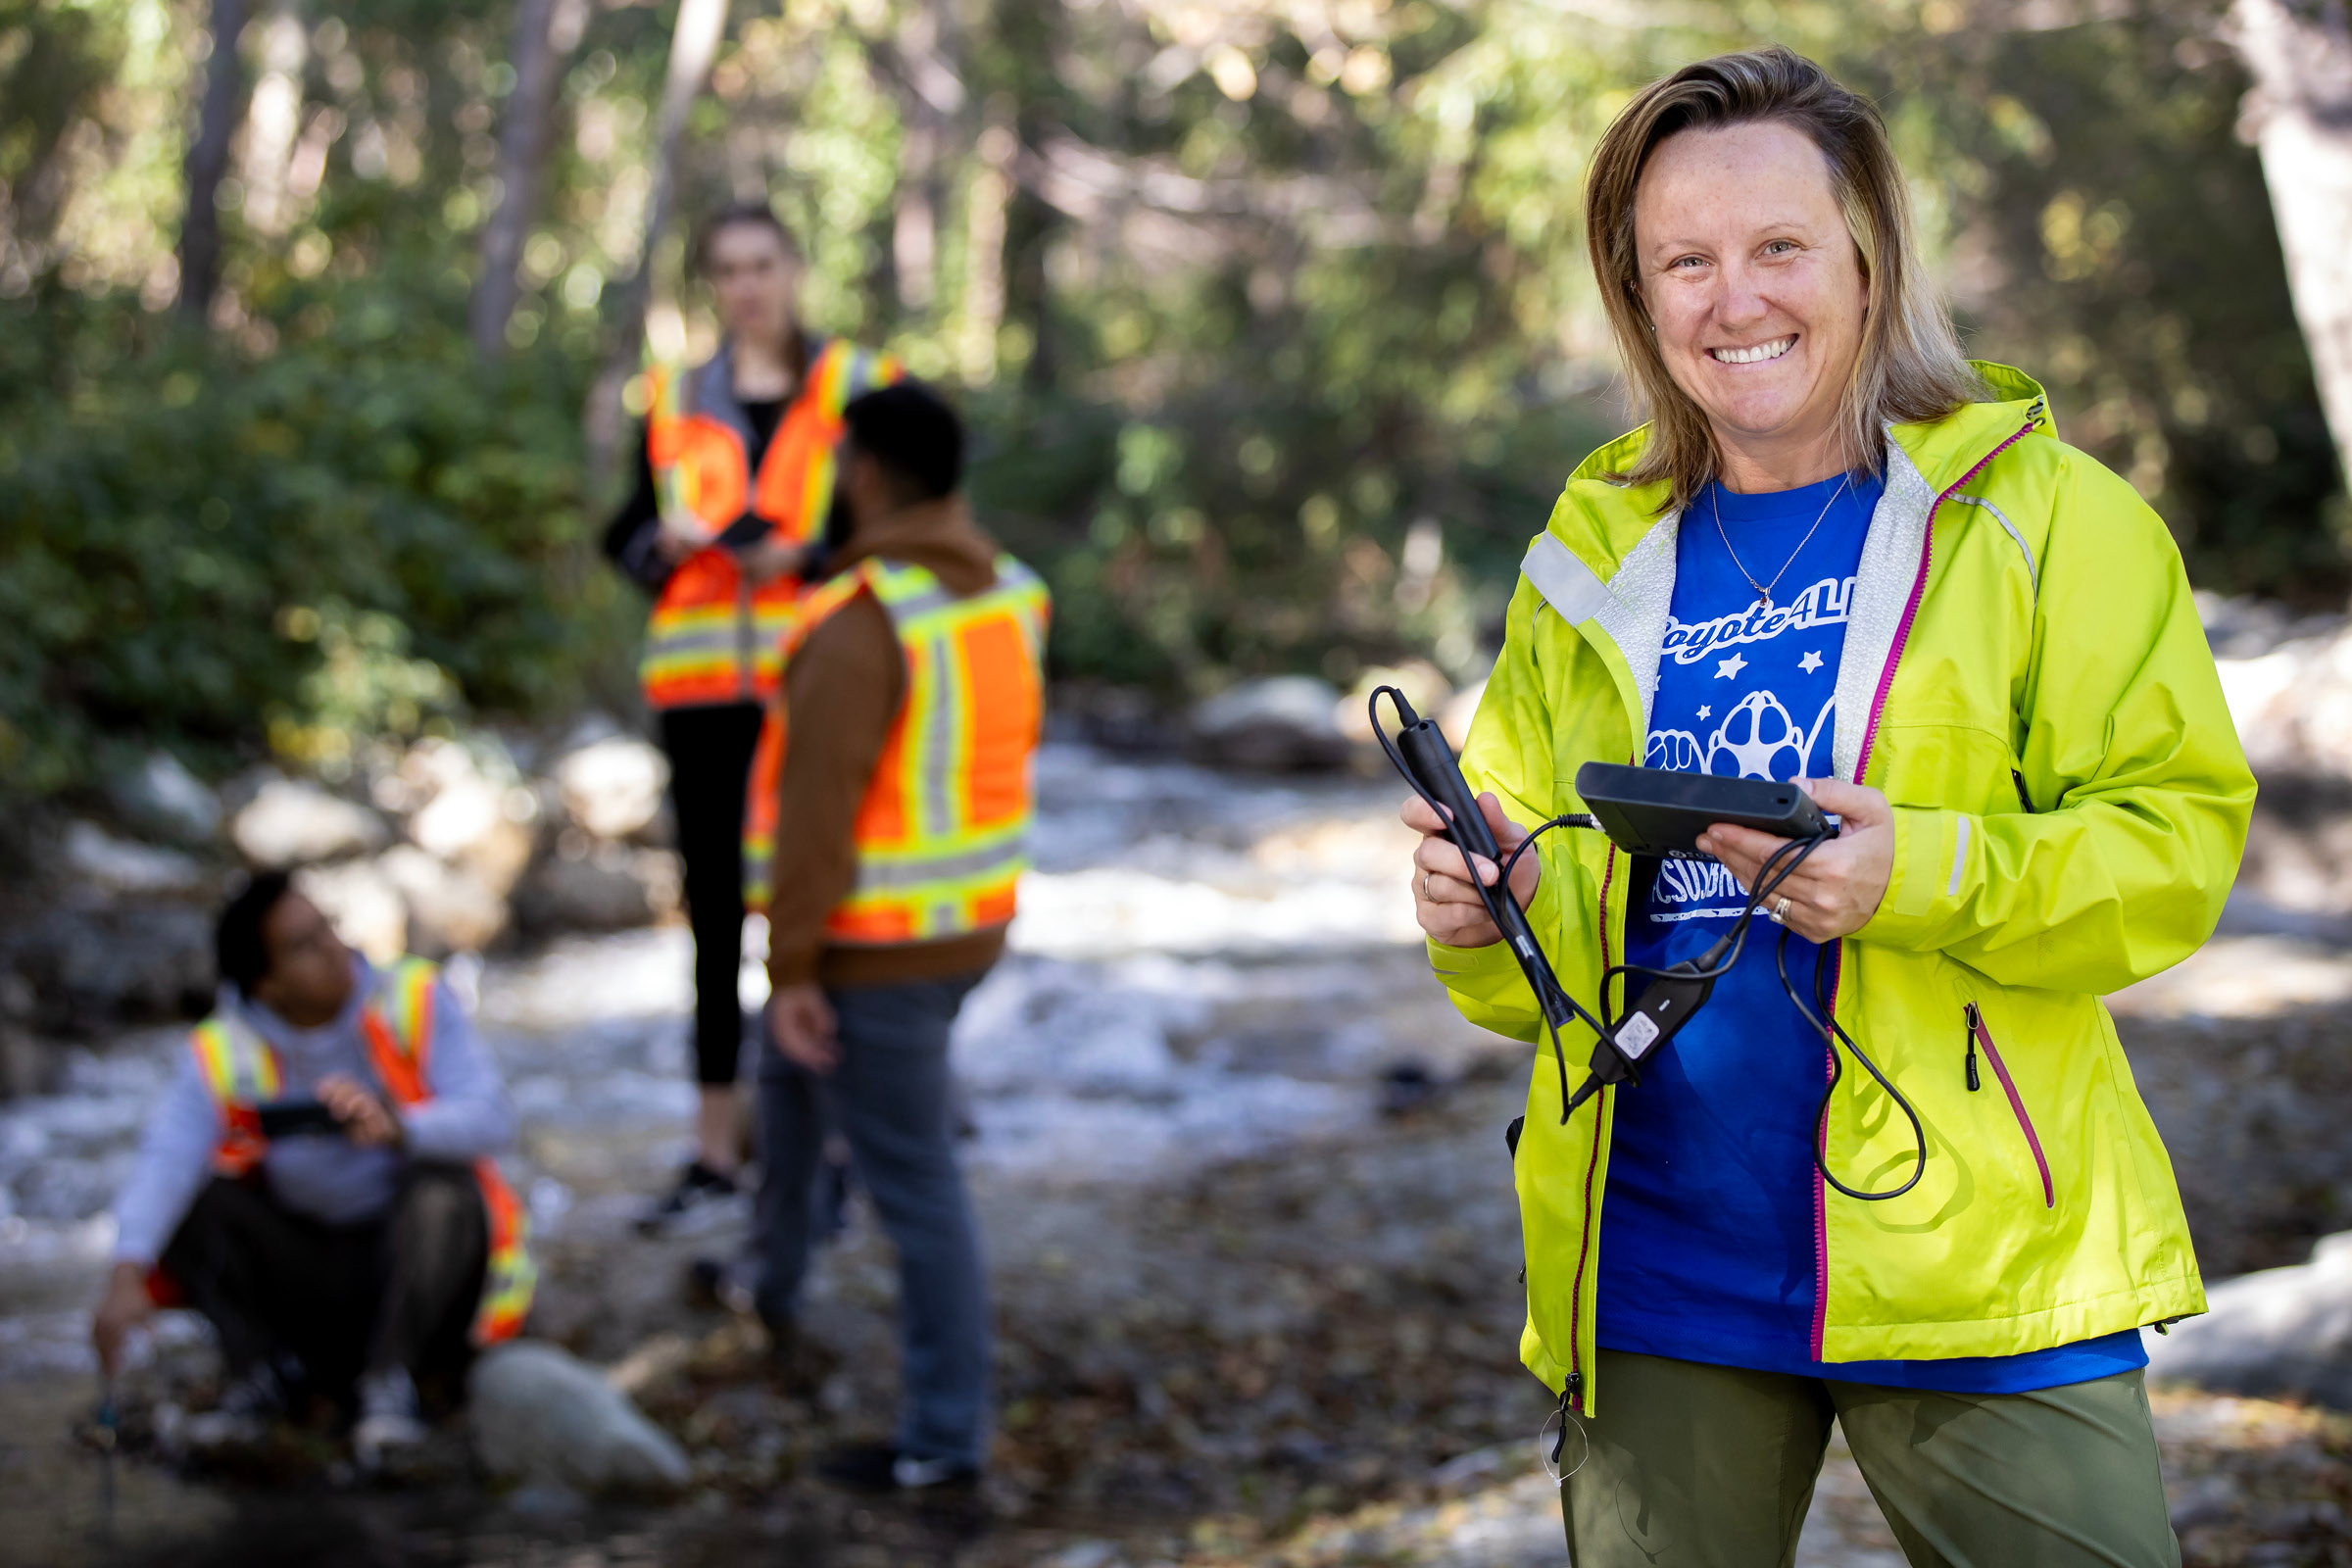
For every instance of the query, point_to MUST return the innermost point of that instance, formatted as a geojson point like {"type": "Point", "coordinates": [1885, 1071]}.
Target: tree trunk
{"type": "Point", "coordinates": [522, 144]}
{"type": "Point", "coordinates": [2299, 116]}
{"type": "Point", "coordinates": [931, 95]}
{"type": "Point", "coordinates": [216, 117]}
{"type": "Point", "coordinates": [693, 44]}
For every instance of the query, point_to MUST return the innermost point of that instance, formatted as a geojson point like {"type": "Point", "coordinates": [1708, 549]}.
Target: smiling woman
{"type": "Point", "coordinates": [1841, 554]}
{"type": "Point", "coordinates": [1752, 236]}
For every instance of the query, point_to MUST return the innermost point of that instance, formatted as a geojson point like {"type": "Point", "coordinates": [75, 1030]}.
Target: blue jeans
{"type": "Point", "coordinates": [890, 1096]}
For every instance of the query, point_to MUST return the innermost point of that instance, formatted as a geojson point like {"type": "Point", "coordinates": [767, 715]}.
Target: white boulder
{"type": "Point", "coordinates": [540, 1417]}
{"type": "Point", "coordinates": [463, 815]}
{"type": "Point", "coordinates": [613, 788]}
{"type": "Point", "coordinates": [2276, 1333]}
{"type": "Point", "coordinates": [163, 793]}
{"type": "Point", "coordinates": [96, 857]}
{"type": "Point", "coordinates": [360, 901]}
{"type": "Point", "coordinates": [1271, 721]}
{"type": "Point", "coordinates": [450, 908]}
{"type": "Point", "coordinates": [292, 823]}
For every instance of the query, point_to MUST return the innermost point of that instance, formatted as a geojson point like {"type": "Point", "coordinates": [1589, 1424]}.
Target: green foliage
{"type": "Point", "coordinates": [1274, 324]}
{"type": "Point", "coordinates": [2124, 252]}
{"type": "Point", "coordinates": [352, 535]}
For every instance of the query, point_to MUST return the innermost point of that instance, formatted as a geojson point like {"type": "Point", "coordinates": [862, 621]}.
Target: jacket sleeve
{"type": "Point", "coordinates": [631, 537]}
{"type": "Point", "coordinates": [469, 1116]}
{"type": "Point", "coordinates": [2139, 791]}
{"type": "Point", "coordinates": [1509, 752]}
{"type": "Point", "coordinates": [842, 693]}
{"type": "Point", "coordinates": [175, 1161]}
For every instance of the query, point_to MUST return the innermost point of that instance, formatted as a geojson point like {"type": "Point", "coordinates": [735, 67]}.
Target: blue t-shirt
{"type": "Point", "coordinates": [1708, 1243]}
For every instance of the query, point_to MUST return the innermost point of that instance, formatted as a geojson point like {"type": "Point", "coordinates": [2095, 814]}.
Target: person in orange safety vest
{"type": "Point", "coordinates": [890, 815]}
{"type": "Point", "coordinates": [319, 1182]}
{"type": "Point", "coordinates": [734, 487]}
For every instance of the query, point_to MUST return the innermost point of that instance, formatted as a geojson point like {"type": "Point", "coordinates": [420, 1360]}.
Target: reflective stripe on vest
{"type": "Point", "coordinates": [713, 636]}
{"type": "Point", "coordinates": [942, 834]}
{"type": "Point", "coordinates": [241, 1070]}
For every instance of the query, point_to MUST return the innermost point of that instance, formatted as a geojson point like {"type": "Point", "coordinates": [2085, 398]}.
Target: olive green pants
{"type": "Point", "coordinates": [1696, 1466]}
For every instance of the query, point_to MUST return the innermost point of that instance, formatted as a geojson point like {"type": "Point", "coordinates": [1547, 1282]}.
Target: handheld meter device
{"type": "Point", "coordinates": [1645, 811]}
{"type": "Point", "coordinates": [1654, 810]}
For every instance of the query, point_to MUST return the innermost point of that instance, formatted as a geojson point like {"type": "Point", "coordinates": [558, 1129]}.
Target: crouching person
{"type": "Point", "coordinates": [317, 1182]}
{"type": "Point", "coordinates": [890, 814]}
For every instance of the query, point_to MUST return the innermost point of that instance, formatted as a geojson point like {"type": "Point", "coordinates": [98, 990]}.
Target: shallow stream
{"type": "Point", "coordinates": [1205, 967]}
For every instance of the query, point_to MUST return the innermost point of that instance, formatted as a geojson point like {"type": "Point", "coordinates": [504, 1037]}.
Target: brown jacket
{"type": "Point", "coordinates": [841, 696]}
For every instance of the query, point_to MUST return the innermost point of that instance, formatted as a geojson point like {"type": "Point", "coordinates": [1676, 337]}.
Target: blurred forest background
{"type": "Point", "coordinates": [318, 323]}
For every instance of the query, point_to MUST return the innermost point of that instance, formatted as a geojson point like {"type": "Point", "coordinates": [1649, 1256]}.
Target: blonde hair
{"type": "Point", "coordinates": [1910, 368]}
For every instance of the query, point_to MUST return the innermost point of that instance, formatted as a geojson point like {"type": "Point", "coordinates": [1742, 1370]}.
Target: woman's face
{"type": "Point", "coordinates": [751, 274]}
{"type": "Point", "coordinates": [1752, 281]}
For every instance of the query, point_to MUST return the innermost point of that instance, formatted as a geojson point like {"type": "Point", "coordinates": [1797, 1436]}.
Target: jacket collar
{"type": "Point", "coordinates": [710, 389]}
{"type": "Point", "coordinates": [1606, 561]}
{"type": "Point", "coordinates": [1603, 521]}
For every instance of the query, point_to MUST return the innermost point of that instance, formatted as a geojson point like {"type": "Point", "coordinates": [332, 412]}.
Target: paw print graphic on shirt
{"type": "Point", "coordinates": [1757, 739]}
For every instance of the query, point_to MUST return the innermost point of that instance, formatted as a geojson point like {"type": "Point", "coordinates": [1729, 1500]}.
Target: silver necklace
{"type": "Point", "coordinates": [1764, 589]}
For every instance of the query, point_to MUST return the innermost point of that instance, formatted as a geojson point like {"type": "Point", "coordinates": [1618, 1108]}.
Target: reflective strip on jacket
{"type": "Point", "coordinates": [2027, 680]}
{"type": "Point", "coordinates": [942, 830]}
{"type": "Point", "coordinates": [713, 637]}
{"type": "Point", "coordinates": [242, 1071]}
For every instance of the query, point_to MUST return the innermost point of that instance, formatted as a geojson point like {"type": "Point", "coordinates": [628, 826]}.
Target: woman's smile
{"type": "Point", "coordinates": [1762, 353]}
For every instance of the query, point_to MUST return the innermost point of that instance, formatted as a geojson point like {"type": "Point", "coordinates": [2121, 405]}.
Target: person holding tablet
{"type": "Point", "coordinates": [1843, 554]}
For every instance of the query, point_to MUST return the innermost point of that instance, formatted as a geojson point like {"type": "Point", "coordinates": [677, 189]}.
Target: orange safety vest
{"type": "Point", "coordinates": [713, 636]}
{"type": "Point", "coordinates": [943, 832]}
{"type": "Point", "coordinates": [241, 1070]}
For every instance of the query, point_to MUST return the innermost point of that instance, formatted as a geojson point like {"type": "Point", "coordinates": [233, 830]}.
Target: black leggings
{"type": "Point", "coordinates": [709, 775]}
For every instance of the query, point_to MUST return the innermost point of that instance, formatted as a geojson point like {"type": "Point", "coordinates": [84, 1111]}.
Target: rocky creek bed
{"type": "Point", "coordinates": [1256, 1295]}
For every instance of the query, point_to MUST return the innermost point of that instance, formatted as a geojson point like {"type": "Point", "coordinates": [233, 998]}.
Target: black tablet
{"type": "Point", "coordinates": [296, 1118]}
{"type": "Point", "coordinates": [1654, 810]}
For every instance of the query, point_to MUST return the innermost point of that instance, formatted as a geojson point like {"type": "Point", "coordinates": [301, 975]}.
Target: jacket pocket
{"type": "Point", "coordinates": [1980, 1038]}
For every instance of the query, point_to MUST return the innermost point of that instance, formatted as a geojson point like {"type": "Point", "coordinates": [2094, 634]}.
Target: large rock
{"type": "Point", "coordinates": [541, 1417]}
{"type": "Point", "coordinates": [360, 901]}
{"type": "Point", "coordinates": [2279, 1333]}
{"type": "Point", "coordinates": [1276, 722]}
{"type": "Point", "coordinates": [613, 788]}
{"type": "Point", "coordinates": [466, 817]}
{"type": "Point", "coordinates": [450, 909]}
{"type": "Point", "coordinates": [588, 885]}
{"type": "Point", "coordinates": [291, 823]}
{"type": "Point", "coordinates": [97, 859]}
{"type": "Point", "coordinates": [161, 794]}
{"type": "Point", "coordinates": [2288, 683]}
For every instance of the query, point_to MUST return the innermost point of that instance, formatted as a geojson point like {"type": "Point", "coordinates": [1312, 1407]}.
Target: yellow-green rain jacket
{"type": "Point", "coordinates": [2026, 678]}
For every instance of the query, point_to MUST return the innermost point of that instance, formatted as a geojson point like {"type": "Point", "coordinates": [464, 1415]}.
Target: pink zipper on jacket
{"type": "Point", "coordinates": [1870, 735]}
{"type": "Point", "coordinates": [2017, 1102]}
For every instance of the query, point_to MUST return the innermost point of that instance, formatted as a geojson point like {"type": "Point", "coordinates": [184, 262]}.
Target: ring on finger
{"type": "Point", "coordinates": [1425, 893]}
{"type": "Point", "coordinates": [1780, 911]}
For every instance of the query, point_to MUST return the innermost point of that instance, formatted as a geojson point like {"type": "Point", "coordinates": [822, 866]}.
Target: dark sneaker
{"type": "Point", "coordinates": [881, 1467]}
{"type": "Point", "coordinates": [702, 1195]}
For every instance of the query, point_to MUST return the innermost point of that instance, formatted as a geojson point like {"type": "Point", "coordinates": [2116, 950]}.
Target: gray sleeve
{"type": "Point", "coordinates": [175, 1161]}
{"type": "Point", "coordinates": [468, 1116]}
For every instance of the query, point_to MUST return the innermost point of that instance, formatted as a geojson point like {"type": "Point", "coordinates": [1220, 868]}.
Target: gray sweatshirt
{"type": "Point", "coordinates": [326, 1178]}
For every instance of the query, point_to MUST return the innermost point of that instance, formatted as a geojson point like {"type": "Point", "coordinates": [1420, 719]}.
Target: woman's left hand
{"type": "Point", "coordinates": [1837, 887]}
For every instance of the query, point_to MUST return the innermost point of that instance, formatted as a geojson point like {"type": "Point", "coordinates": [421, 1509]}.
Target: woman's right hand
{"type": "Point", "coordinates": [1444, 900]}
